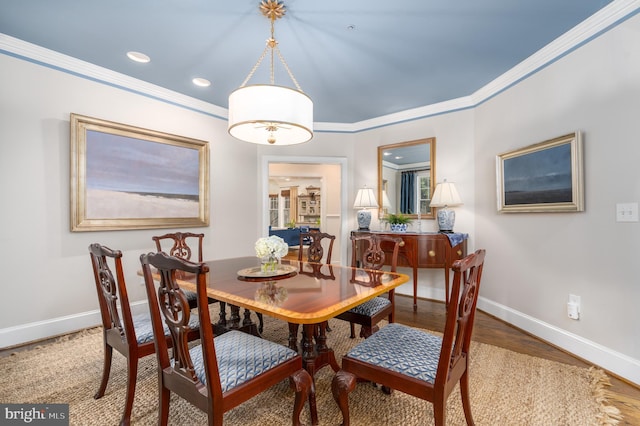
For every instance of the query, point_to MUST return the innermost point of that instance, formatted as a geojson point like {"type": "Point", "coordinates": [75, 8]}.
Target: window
{"type": "Point", "coordinates": [286, 209]}
{"type": "Point", "coordinates": [273, 210]}
{"type": "Point", "coordinates": [424, 191]}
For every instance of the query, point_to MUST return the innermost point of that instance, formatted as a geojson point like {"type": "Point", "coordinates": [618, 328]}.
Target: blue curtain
{"type": "Point", "coordinates": [408, 192]}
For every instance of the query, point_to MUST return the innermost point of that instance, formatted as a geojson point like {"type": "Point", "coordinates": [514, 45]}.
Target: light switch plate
{"type": "Point", "coordinates": [627, 212]}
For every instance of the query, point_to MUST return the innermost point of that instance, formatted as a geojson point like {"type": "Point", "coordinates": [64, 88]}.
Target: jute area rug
{"type": "Point", "coordinates": [507, 388]}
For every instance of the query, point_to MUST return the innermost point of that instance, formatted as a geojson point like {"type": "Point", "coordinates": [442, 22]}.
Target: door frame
{"type": "Point", "coordinates": [266, 160]}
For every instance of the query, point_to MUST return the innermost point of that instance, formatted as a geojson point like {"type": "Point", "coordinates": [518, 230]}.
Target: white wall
{"type": "Point", "coordinates": [535, 260]}
{"type": "Point", "coordinates": [47, 280]}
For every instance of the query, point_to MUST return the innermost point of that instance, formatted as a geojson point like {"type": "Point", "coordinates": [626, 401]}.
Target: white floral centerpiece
{"type": "Point", "coordinates": [270, 250]}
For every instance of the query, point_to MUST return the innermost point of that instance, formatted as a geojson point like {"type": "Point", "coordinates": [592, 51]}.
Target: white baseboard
{"type": "Point", "coordinates": [34, 331]}
{"type": "Point", "coordinates": [619, 364]}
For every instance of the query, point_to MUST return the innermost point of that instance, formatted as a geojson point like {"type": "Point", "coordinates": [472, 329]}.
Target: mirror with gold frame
{"type": "Point", "coordinates": [406, 178]}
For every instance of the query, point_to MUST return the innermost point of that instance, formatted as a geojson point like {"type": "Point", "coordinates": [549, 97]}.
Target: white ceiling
{"type": "Point", "coordinates": [357, 59]}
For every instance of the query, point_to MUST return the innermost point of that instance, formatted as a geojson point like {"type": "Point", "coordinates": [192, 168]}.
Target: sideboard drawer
{"type": "Point", "coordinates": [432, 252]}
{"type": "Point", "coordinates": [459, 251]}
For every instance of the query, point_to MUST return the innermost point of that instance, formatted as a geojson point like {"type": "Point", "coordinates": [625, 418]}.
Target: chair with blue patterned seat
{"type": "Point", "coordinates": [415, 361]}
{"type": "Point", "coordinates": [219, 373]}
{"type": "Point", "coordinates": [131, 335]}
{"type": "Point", "coordinates": [368, 251]}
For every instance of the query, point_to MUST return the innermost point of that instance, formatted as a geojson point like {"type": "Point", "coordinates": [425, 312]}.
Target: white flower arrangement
{"type": "Point", "coordinates": [272, 246]}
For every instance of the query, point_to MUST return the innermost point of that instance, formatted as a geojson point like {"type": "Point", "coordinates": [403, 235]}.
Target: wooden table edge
{"type": "Point", "coordinates": [294, 317]}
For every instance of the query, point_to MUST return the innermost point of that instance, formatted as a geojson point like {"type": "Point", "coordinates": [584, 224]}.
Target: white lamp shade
{"type": "Point", "coordinates": [445, 194]}
{"type": "Point", "coordinates": [365, 199]}
{"type": "Point", "coordinates": [255, 108]}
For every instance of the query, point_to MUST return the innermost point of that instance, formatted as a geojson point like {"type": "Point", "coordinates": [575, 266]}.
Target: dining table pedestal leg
{"type": "Point", "coordinates": [293, 336]}
{"type": "Point", "coordinates": [247, 326]}
{"type": "Point", "coordinates": [316, 355]}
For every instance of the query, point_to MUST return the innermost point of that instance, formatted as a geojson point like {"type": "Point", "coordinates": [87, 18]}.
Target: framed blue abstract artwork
{"type": "Point", "coordinates": [545, 177]}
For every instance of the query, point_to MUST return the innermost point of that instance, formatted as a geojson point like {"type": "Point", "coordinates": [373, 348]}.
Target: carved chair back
{"type": "Point", "coordinates": [315, 250]}
{"type": "Point", "coordinates": [367, 251]}
{"type": "Point", "coordinates": [118, 324]}
{"type": "Point", "coordinates": [112, 295]}
{"type": "Point", "coordinates": [180, 247]}
{"type": "Point", "coordinates": [170, 308]}
{"type": "Point", "coordinates": [460, 315]}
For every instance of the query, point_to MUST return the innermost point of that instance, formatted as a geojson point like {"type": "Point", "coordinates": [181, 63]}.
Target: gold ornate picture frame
{"type": "Point", "coordinates": [545, 177]}
{"type": "Point", "coordinates": [125, 177]}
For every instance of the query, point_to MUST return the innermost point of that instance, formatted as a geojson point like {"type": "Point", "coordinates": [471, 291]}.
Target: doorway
{"type": "Point", "coordinates": [319, 184]}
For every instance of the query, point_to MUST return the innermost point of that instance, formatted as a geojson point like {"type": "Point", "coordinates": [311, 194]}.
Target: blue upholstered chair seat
{"type": "Point", "coordinates": [371, 307]}
{"type": "Point", "coordinates": [191, 296]}
{"type": "Point", "coordinates": [144, 330]}
{"type": "Point", "coordinates": [241, 357]}
{"type": "Point", "coordinates": [402, 349]}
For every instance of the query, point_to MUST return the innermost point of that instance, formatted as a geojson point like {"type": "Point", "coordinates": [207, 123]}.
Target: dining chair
{"type": "Point", "coordinates": [130, 335]}
{"type": "Point", "coordinates": [415, 361]}
{"type": "Point", "coordinates": [223, 371]}
{"type": "Point", "coordinates": [180, 248]}
{"type": "Point", "coordinates": [368, 252]}
{"type": "Point", "coordinates": [314, 240]}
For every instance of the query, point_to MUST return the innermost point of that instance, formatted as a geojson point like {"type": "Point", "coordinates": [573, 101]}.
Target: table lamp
{"type": "Point", "coordinates": [365, 199]}
{"type": "Point", "coordinates": [446, 195]}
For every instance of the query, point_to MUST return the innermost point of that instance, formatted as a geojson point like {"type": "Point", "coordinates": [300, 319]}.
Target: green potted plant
{"type": "Point", "coordinates": [291, 224]}
{"type": "Point", "coordinates": [398, 222]}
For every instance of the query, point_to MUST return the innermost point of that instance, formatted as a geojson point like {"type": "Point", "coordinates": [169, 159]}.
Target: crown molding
{"type": "Point", "coordinates": [605, 19]}
{"type": "Point", "coordinates": [55, 60]}
{"type": "Point", "coordinates": [597, 24]}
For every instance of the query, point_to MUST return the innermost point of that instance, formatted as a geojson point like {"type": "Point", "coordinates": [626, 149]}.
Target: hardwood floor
{"type": "Point", "coordinates": [488, 329]}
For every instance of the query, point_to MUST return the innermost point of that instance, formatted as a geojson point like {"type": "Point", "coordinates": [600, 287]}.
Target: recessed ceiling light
{"type": "Point", "coordinates": [138, 57]}
{"type": "Point", "coordinates": [202, 82]}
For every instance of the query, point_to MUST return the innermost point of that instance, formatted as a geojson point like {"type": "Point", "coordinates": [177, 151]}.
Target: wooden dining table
{"type": "Point", "coordinates": [300, 293]}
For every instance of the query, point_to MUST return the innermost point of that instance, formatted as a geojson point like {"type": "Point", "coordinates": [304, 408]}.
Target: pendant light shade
{"type": "Point", "coordinates": [269, 114]}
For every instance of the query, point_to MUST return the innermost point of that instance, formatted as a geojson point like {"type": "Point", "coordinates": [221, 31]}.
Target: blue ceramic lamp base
{"type": "Point", "coordinates": [364, 220]}
{"type": "Point", "coordinates": [446, 219]}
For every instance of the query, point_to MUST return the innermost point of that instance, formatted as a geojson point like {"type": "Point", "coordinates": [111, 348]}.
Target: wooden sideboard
{"type": "Point", "coordinates": [427, 250]}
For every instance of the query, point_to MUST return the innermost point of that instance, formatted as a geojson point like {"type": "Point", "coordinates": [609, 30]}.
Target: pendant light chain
{"type": "Point", "coordinates": [272, 45]}
{"type": "Point", "coordinates": [288, 70]}
{"type": "Point", "coordinates": [269, 114]}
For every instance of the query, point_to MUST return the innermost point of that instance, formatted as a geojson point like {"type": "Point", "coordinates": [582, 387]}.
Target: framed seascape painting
{"type": "Point", "coordinates": [125, 177]}
{"type": "Point", "coordinates": [545, 177]}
